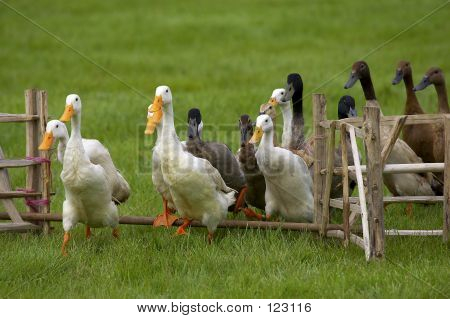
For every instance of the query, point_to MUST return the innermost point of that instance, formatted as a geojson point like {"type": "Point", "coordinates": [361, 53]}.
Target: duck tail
{"type": "Point", "coordinates": [122, 192]}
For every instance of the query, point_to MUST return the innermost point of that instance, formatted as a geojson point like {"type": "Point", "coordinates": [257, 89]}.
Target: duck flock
{"type": "Point", "coordinates": [204, 180]}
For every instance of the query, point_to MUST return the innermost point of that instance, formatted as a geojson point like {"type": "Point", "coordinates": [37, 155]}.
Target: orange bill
{"type": "Point", "coordinates": [273, 102]}
{"type": "Point", "coordinates": [68, 113]}
{"type": "Point", "coordinates": [154, 115]}
{"type": "Point", "coordinates": [257, 135]}
{"type": "Point", "coordinates": [47, 142]}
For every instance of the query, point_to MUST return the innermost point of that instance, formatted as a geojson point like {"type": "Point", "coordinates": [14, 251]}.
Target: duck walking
{"type": "Point", "coordinates": [97, 153]}
{"type": "Point", "coordinates": [256, 185]}
{"type": "Point", "coordinates": [288, 182]}
{"type": "Point", "coordinates": [87, 188]}
{"type": "Point", "coordinates": [166, 218]}
{"type": "Point", "coordinates": [197, 189]}
{"type": "Point", "coordinates": [219, 155]}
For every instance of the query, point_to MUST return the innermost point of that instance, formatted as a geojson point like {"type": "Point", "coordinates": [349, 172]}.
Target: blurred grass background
{"type": "Point", "coordinates": [225, 58]}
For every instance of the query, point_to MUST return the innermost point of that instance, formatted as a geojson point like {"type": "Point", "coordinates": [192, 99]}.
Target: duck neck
{"type": "Point", "coordinates": [297, 103]}
{"type": "Point", "coordinates": [168, 133]}
{"type": "Point", "coordinates": [367, 86]}
{"type": "Point", "coordinates": [62, 147]}
{"type": "Point", "coordinates": [286, 110]}
{"type": "Point", "coordinates": [267, 141]}
{"type": "Point", "coordinates": [442, 98]}
{"type": "Point", "coordinates": [76, 126]}
{"type": "Point", "coordinates": [412, 105]}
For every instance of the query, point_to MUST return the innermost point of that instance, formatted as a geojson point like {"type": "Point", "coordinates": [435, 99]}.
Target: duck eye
{"type": "Point", "coordinates": [282, 93]}
{"type": "Point", "coordinates": [167, 91]}
{"type": "Point", "coordinates": [270, 107]}
{"type": "Point", "coordinates": [76, 99]}
{"type": "Point", "coordinates": [266, 121]}
{"type": "Point", "coordinates": [57, 126]}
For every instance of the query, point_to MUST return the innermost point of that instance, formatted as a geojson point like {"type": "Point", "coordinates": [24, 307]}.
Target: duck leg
{"type": "Point", "coordinates": [210, 238]}
{"type": "Point", "coordinates": [65, 241]}
{"type": "Point", "coordinates": [409, 209]}
{"type": "Point", "coordinates": [250, 213]}
{"type": "Point", "coordinates": [88, 232]}
{"type": "Point", "coordinates": [115, 232]}
{"type": "Point", "coordinates": [240, 200]}
{"type": "Point", "coordinates": [166, 218]}
{"type": "Point", "coordinates": [182, 229]}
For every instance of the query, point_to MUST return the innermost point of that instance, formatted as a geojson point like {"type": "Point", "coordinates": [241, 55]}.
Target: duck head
{"type": "Point", "coordinates": [294, 85]}
{"type": "Point", "coordinates": [195, 123]}
{"type": "Point", "coordinates": [434, 75]}
{"type": "Point", "coordinates": [264, 124]}
{"type": "Point", "coordinates": [403, 69]}
{"type": "Point", "coordinates": [54, 130]}
{"type": "Point", "coordinates": [73, 107]}
{"type": "Point", "coordinates": [163, 98]}
{"type": "Point", "coordinates": [346, 107]}
{"type": "Point", "coordinates": [360, 70]}
{"type": "Point", "coordinates": [246, 128]}
{"type": "Point", "coordinates": [269, 109]}
{"type": "Point", "coordinates": [277, 98]}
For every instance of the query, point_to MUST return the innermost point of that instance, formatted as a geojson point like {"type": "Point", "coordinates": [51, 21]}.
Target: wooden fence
{"type": "Point", "coordinates": [37, 164]}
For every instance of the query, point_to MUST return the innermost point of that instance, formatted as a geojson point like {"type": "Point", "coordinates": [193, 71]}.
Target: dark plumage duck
{"type": "Point", "coordinates": [218, 154]}
{"type": "Point", "coordinates": [398, 184]}
{"type": "Point", "coordinates": [256, 185]}
{"type": "Point", "coordinates": [436, 77]}
{"type": "Point", "coordinates": [420, 137]}
{"type": "Point", "coordinates": [346, 109]}
{"type": "Point", "coordinates": [294, 92]}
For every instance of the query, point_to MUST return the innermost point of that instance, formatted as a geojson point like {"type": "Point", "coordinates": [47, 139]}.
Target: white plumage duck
{"type": "Point", "coordinates": [196, 187]}
{"type": "Point", "coordinates": [288, 182]}
{"type": "Point", "coordinates": [97, 153]}
{"type": "Point", "coordinates": [87, 188]}
{"type": "Point", "coordinates": [166, 218]}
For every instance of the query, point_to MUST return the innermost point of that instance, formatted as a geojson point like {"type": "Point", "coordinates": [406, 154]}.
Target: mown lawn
{"type": "Point", "coordinates": [225, 58]}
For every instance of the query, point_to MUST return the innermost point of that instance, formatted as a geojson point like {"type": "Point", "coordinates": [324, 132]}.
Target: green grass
{"type": "Point", "coordinates": [226, 59]}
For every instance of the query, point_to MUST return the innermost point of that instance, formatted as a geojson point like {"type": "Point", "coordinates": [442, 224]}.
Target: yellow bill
{"type": "Point", "coordinates": [47, 142]}
{"type": "Point", "coordinates": [68, 113]}
{"type": "Point", "coordinates": [257, 135]}
{"type": "Point", "coordinates": [154, 115]}
{"type": "Point", "coordinates": [273, 102]}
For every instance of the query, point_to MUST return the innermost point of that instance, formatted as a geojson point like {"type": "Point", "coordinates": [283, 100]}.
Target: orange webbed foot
{"type": "Point", "coordinates": [182, 229]}
{"type": "Point", "coordinates": [166, 218]}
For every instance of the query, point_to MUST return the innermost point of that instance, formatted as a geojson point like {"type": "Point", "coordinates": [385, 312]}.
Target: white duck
{"type": "Point", "coordinates": [288, 182]}
{"type": "Point", "coordinates": [277, 98]}
{"type": "Point", "coordinates": [97, 153]}
{"type": "Point", "coordinates": [88, 191]}
{"type": "Point", "coordinates": [166, 218]}
{"type": "Point", "coordinates": [198, 191]}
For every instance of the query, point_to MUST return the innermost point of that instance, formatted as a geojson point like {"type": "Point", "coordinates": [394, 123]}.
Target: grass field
{"type": "Point", "coordinates": [225, 58]}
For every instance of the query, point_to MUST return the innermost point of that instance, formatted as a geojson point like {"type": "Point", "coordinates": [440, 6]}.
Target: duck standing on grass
{"type": "Point", "coordinates": [256, 185]}
{"type": "Point", "coordinates": [288, 182]}
{"type": "Point", "coordinates": [197, 189]}
{"type": "Point", "coordinates": [220, 157]}
{"type": "Point", "coordinates": [97, 153]}
{"type": "Point", "coordinates": [436, 77]}
{"type": "Point", "coordinates": [407, 184]}
{"type": "Point", "coordinates": [87, 187]}
{"type": "Point", "coordinates": [166, 218]}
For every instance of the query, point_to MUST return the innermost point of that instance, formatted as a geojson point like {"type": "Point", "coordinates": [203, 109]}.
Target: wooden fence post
{"type": "Point", "coordinates": [45, 171]}
{"type": "Point", "coordinates": [319, 114]}
{"type": "Point", "coordinates": [32, 143]}
{"type": "Point", "coordinates": [328, 178]}
{"type": "Point", "coordinates": [374, 180]}
{"type": "Point", "coordinates": [345, 185]}
{"type": "Point", "coordinates": [446, 215]}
